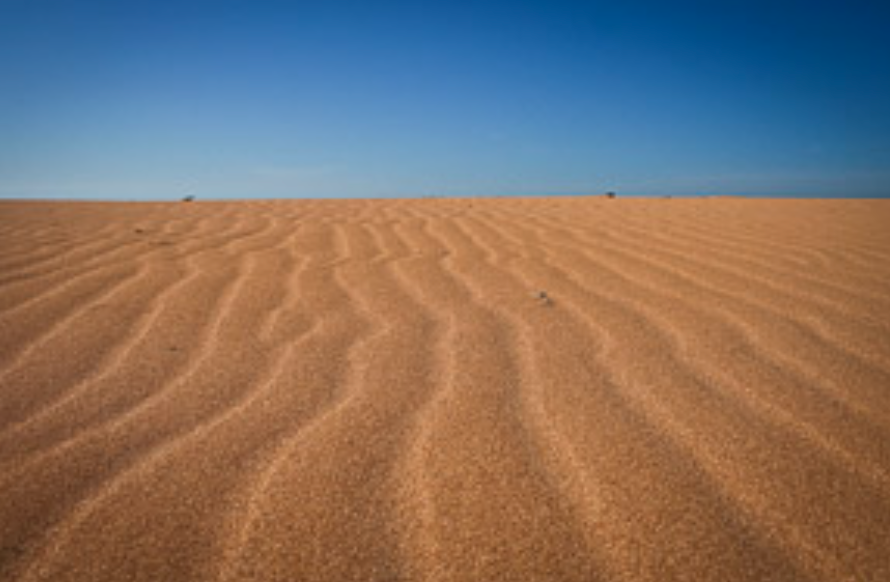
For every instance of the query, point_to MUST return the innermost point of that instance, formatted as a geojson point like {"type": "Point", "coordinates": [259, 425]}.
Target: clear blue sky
{"type": "Point", "coordinates": [225, 98]}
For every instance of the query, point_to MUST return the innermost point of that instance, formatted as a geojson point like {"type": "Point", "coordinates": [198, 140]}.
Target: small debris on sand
{"type": "Point", "coordinates": [543, 298]}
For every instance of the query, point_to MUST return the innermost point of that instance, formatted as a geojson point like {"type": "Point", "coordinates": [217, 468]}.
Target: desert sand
{"type": "Point", "coordinates": [445, 390]}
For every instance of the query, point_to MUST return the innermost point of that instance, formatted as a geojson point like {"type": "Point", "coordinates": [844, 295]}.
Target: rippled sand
{"type": "Point", "coordinates": [444, 390]}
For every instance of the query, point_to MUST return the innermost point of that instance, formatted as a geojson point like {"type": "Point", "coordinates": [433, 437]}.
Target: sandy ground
{"type": "Point", "coordinates": [444, 390]}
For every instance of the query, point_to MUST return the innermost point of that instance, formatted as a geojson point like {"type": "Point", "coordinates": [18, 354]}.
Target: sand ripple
{"type": "Point", "coordinates": [375, 390]}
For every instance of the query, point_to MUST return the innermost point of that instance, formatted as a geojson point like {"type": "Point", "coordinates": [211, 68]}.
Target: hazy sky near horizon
{"type": "Point", "coordinates": [239, 98]}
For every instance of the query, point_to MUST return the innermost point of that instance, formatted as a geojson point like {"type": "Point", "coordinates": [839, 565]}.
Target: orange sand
{"type": "Point", "coordinates": [376, 390]}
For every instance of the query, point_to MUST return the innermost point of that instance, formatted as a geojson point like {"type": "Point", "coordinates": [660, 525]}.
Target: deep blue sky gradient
{"type": "Point", "coordinates": [238, 98]}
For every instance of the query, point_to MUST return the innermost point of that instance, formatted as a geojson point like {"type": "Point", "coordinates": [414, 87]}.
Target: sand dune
{"type": "Point", "coordinates": [376, 390]}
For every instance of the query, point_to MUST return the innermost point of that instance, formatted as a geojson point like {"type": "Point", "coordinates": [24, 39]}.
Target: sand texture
{"type": "Point", "coordinates": [445, 390]}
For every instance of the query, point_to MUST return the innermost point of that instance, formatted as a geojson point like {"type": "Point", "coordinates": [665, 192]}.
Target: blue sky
{"type": "Point", "coordinates": [238, 98]}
